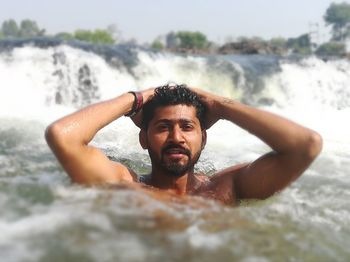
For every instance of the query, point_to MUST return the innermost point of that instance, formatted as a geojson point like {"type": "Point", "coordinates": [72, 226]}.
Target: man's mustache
{"type": "Point", "coordinates": [179, 148]}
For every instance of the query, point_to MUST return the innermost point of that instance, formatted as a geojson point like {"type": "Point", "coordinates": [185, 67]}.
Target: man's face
{"type": "Point", "coordinates": [174, 139]}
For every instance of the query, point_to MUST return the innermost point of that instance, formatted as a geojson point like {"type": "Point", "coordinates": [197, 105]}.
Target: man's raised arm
{"type": "Point", "coordinates": [69, 137]}
{"type": "Point", "coordinates": [294, 147]}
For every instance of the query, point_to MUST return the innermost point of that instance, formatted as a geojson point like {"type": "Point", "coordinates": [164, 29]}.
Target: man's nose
{"type": "Point", "coordinates": [176, 135]}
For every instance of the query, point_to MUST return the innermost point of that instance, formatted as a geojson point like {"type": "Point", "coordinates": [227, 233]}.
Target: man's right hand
{"type": "Point", "coordinates": [147, 94]}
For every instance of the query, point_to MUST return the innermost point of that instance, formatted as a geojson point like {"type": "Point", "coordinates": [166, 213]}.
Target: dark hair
{"type": "Point", "coordinates": [172, 95]}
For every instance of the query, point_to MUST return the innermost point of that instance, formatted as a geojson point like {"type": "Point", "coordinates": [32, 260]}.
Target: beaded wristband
{"type": "Point", "coordinates": [137, 105]}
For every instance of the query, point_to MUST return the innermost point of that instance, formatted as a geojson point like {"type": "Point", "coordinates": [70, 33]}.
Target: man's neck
{"type": "Point", "coordinates": [178, 185]}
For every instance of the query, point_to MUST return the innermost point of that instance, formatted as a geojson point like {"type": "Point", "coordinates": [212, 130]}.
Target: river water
{"type": "Point", "coordinates": [44, 217]}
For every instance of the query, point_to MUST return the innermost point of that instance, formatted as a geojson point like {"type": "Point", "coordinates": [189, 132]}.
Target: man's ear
{"type": "Point", "coordinates": [143, 139]}
{"type": "Point", "coordinates": [204, 138]}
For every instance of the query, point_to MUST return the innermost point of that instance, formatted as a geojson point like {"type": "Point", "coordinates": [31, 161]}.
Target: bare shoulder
{"type": "Point", "coordinates": [224, 183]}
{"type": "Point", "coordinates": [220, 186]}
{"type": "Point", "coordinates": [125, 173]}
{"type": "Point", "coordinates": [92, 167]}
{"type": "Point", "coordinates": [229, 173]}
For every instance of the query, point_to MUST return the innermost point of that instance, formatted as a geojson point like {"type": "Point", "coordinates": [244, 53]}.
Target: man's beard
{"type": "Point", "coordinates": [174, 168]}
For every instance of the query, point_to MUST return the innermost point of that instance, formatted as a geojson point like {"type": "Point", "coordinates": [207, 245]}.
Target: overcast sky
{"type": "Point", "coordinates": [144, 20]}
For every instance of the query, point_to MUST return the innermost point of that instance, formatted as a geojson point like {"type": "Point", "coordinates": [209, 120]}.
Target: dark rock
{"type": "Point", "coordinates": [250, 48]}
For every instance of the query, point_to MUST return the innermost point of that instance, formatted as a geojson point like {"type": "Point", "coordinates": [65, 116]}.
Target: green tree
{"type": "Point", "coordinates": [300, 45]}
{"type": "Point", "coordinates": [97, 37]}
{"type": "Point", "coordinates": [157, 44]}
{"type": "Point", "coordinates": [193, 40]}
{"type": "Point", "coordinates": [9, 28]}
{"type": "Point", "coordinates": [338, 16]}
{"type": "Point", "coordinates": [254, 39]}
{"type": "Point", "coordinates": [103, 37]}
{"type": "Point", "coordinates": [29, 28]}
{"type": "Point", "coordinates": [83, 35]}
{"type": "Point", "coordinates": [278, 42]}
{"type": "Point", "coordinates": [64, 36]}
{"type": "Point", "coordinates": [331, 49]}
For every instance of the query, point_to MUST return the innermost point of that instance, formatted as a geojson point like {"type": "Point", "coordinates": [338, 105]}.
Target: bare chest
{"type": "Point", "coordinates": [219, 189]}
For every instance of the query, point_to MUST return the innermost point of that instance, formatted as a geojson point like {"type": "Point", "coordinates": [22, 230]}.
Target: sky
{"type": "Point", "coordinates": [144, 20]}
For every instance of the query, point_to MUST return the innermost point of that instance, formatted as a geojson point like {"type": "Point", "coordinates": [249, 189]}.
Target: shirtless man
{"type": "Point", "coordinates": [173, 122]}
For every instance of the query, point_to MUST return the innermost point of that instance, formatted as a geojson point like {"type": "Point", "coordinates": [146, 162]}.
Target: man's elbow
{"type": "Point", "coordinates": [313, 145]}
{"type": "Point", "coordinates": [54, 135]}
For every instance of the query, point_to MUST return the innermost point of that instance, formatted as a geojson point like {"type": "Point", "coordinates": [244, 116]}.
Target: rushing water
{"type": "Point", "coordinates": [46, 218]}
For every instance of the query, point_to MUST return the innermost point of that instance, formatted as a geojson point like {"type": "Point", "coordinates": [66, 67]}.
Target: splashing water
{"type": "Point", "coordinates": [46, 218]}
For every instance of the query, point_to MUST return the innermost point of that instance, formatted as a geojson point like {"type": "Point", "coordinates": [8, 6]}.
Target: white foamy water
{"type": "Point", "coordinates": [44, 217]}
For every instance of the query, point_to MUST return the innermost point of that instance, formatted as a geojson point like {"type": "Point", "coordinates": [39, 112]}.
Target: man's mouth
{"type": "Point", "coordinates": [175, 151]}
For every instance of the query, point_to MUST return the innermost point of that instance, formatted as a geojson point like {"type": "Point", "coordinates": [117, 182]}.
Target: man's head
{"type": "Point", "coordinates": [173, 129]}
{"type": "Point", "coordinates": [172, 95]}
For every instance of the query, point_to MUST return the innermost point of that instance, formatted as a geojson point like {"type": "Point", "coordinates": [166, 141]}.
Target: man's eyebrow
{"type": "Point", "coordinates": [169, 121]}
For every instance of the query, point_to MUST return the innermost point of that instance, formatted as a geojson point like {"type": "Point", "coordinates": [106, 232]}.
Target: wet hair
{"type": "Point", "coordinates": [173, 95]}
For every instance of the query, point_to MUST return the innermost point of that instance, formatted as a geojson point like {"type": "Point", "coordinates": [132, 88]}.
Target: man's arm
{"type": "Point", "coordinates": [69, 137]}
{"type": "Point", "coordinates": [294, 147]}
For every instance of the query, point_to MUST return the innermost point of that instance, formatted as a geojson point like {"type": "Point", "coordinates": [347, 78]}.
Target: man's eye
{"type": "Point", "coordinates": [187, 127]}
{"type": "Point", "coordinates": [162, 127]}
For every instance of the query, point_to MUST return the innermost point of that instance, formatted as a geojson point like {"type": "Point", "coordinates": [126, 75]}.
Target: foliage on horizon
{"type": "Point", "coordinates": [300, 45]}
{"type": "Point", "coordinates": [157, 44]}
{"type": "Point", "coordinates": [64, 36]}
{"type": "Point", "coordinates": [98, 36]}
{"type": "Point", "coordinates": [278, 42]}
{"type": "Point", "coordinates": [192, 40]}
{"type": "Point", "coordinates": [331, 49]}
{"type": "Point", "coordinates": [255, 39]}
{"type": "Point", "coordinates": [27, 28]}
{"type": "Point", "coordinates": [338, 16]}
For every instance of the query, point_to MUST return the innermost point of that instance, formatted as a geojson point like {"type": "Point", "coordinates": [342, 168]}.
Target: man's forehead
{"type": "Point", "coordinates": [175, 112]}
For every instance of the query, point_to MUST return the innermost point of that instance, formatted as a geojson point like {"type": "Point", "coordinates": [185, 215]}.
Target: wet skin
{"type": "Point", "coordinates": [174, 140]}
{"type": "Point", "coordinates": [174, 137]}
